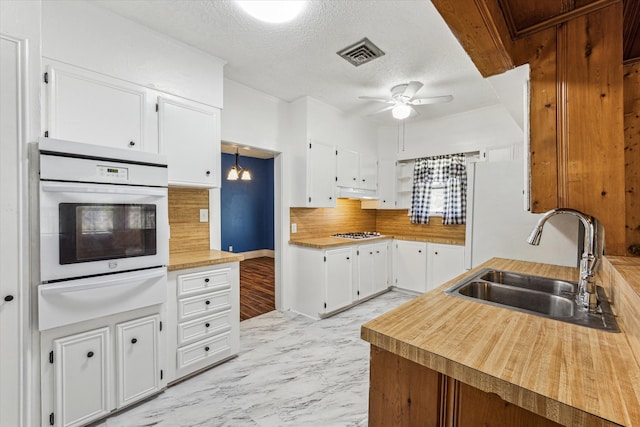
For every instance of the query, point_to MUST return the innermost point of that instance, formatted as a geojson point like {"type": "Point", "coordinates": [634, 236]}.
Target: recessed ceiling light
{"type": "Point", "coordinates": [273, 11]}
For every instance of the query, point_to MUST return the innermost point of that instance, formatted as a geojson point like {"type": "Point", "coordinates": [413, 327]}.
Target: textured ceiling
{"type": "Point", "coordinates": [299, 58]}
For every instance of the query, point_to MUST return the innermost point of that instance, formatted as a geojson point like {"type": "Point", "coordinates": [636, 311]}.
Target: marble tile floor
{"type": "Point", "coordinates": [290, 371]}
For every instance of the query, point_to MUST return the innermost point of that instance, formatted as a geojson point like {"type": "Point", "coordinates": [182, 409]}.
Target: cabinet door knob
{"type": "Point", "coordinates": [354, 179]}
{"type": "Point", "coordinates": [206, 325]}
{"type": "Point", "coordinates": [348, 258]}
{"type": "Point", "coordinates": [207, 302]}
{"type": "Point", "coordinates": [436, 253]}
{"type": "Point", "coordinates": [90, 354]}
{"type": "Point", "coordinates": [208, 173]}
{"type": "Point", "coordinates": [206, 280]}
{"type": "Point", "coordinates": [330, 198]}
{"type": "Point", "coordinates": [377, 252]}
{"type": "Point", "coordinates": [132, 143]}
{"type": "Point", "coordinates": [419, 251]}
{"type": "Point", "coordinates": [206, 348]}
{"type": "Point", "coordinates": [370, 253]}
{"type": "Point", "coordinates": [134, 340]}
{"type": "Point", "coordinates": [8, 298]}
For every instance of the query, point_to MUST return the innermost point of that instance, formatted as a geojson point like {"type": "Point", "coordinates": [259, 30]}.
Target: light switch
{"type": "Point", "coordinates": [204, 215]}
{"type": "Point", "coordinates": [294, 228]}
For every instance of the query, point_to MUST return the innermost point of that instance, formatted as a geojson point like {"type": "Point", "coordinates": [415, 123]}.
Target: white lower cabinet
{"type": "Point", "coordinates": [82, 378]}
{"type": "Point", "coordinates": [138, 349]}
{"type": "Point", "coordinates": [444, 262]}
{"type": "Point", "coordinates": [87, 374]}
{"type": "Point", "coordinates": [204, 318]}
{"type": "Point", "coordinates": [421, 266]}
{"type": "Point", "coordinates": [373, 276]}
{"type": "Point", "coordinates": [329, 280]}
{"type": "Point", "coordinates": [410, 265]}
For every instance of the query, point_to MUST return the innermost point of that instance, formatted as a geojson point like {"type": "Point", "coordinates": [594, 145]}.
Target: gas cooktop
{"type": "Point", "coordinates": [357, 235]}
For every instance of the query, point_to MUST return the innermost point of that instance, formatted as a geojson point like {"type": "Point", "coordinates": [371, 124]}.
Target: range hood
{"type": "Point", "coordinates": [356, 193]}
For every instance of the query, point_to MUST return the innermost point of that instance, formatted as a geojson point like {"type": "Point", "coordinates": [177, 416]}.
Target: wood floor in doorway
{"type": "Point", "coordinates": [257, 287]}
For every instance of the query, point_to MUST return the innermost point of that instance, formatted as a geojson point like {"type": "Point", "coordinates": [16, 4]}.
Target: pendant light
{"type": "Point", "coordinates": [238, 171]}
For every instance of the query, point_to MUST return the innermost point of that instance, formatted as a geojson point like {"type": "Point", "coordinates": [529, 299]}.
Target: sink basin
{"type": "Point", "coordinates": [541, 296]}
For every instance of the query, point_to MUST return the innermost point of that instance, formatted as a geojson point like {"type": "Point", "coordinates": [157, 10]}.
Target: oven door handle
{"type": "Point", "coordinates": [64, 187]}
{"type": "Point", "coordinates": [84, 286]}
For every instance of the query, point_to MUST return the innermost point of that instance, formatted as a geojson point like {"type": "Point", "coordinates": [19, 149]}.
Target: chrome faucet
{"type": "Point", "coordinates": [592, 250]}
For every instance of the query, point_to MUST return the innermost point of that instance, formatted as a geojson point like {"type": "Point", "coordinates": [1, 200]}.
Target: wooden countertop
{"type": "Point", "coordinates": [558, 370]}
{"type": "Point", "coordinates": [184, 260]}
{"type": "Point", "coordinates": [333, 242]}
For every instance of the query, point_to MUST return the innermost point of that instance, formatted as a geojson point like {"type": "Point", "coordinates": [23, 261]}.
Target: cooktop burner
{"type": "Point", "coordinates": [357, 235]}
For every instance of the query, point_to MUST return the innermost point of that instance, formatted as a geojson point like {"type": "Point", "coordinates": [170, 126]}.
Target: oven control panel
{"type": "Point", "coordinates": [113, 173]}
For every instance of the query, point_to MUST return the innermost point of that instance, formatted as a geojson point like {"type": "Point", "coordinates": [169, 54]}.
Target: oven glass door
{"type": "Point", "coordinates": [101, 231]}
{"type": "Point", "coordinates": [93, 229]}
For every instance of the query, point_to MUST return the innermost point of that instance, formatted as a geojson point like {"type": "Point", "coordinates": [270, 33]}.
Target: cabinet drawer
{"type": "Point", "coordinates": [204, 327]}
{"type": "Point", "coordinates": [214, 348]}
{"type": "Point", "coordinates": [213, 280]}
{"type": "Point", "coordinates": [209, 303]}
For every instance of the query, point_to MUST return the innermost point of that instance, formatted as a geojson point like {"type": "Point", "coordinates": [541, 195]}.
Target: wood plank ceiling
{"type": "Point", "coordinates": [525, 17]}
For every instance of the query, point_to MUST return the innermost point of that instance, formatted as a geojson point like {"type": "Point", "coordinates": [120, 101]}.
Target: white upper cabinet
{"type": "Point", "coordinates": [318, 178]}
{"type": "Point", "coordinates": [368, 167]}
{"type": "Point", "coordinates": [189, 135]}
{"type": "Point", "coordinates": [93, 108]}
{"type": "Point", "coordinates": [347, 168]}
{"type": "Point", "coordinates": [356, 170]}
{"type": "Point", "coordinates": [387, 184]}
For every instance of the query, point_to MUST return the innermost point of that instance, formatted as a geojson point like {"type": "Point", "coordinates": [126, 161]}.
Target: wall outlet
{"type": "Point", "coordinates": [294, 228]}
{"type": "Point", "coordinates": [204, 215]}
{"type": "Point", "coordinates": [230, 248]}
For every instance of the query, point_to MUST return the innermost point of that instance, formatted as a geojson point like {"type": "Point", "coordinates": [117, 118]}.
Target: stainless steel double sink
{"type": "Point", "coordinates": [541, 296]}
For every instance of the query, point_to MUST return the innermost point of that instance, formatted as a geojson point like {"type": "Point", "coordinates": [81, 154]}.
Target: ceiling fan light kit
{"type": "Point", "coordinates": [402, 100]}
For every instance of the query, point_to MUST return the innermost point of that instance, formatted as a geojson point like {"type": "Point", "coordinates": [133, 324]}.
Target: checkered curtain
{"type": "Point", "coordinates": [451, 170]}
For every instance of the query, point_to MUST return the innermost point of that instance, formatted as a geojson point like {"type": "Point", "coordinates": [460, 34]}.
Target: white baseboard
{"type": "Point", "coordinates": [258, 254]}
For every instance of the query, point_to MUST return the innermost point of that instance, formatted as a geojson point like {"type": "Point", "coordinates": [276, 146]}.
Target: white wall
{"type": "Point", "coordinates": [474, 130]}
{"type": "Point", "coordinates": [85, 35]}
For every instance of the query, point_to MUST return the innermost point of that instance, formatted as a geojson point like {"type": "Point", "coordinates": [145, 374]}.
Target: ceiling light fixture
{"type": "Point", "coordinates": [401, 111]}
{"type": "Point", "coordinates": [274, 12]}
{"type": "Point", "coordinates": [238, 171]}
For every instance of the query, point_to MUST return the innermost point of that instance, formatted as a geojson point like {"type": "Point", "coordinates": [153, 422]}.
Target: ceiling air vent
{"type": "Point", "coordinates": [361, 52]}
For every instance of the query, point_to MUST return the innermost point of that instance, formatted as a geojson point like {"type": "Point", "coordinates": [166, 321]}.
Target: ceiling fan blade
{"type": "Point", "coordinates": [373, 98]}
{"type": "Point", "coordinates": [414, 113]}
{"type": "Point", "coordinates": [381, 111]}
{"type": "Point", "coordinates": [411, 90]}
{"type": "Point", "coordinates": [431, 100]}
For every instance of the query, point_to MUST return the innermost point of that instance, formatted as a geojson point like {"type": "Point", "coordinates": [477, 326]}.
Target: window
{"type": "Point", "coordinates": [436, 205]}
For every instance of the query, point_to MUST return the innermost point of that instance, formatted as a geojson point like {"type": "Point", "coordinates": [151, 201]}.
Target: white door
{"type": "Point", "coordinates": [380, 267]}
{"type": "Point", "coordinates": [444, 262]}
{"type": "Point", "coordinates": [321, 173]}
{"type": "Point", "coordinates": [411, 265]}
{"type": "Point", "coordinates": [82, 377]}
{"type": "Point", "coordinates": [338, 279]}
{"type": "Point", "coordinates": [138, 352]}
{"type": "Point", "coordinates": [347, 168]}
{"type": "Point", "coordinates": [189, 135]}
{"type": "Point", "coordinates": [12, 75]}
{"type": "Point", "coordinates": [90, 107]}
{"type": "Point", "coordinates": [368, 172]}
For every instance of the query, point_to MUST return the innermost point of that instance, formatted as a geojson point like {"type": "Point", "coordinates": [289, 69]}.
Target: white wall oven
{"type": "Point", "coordinates": [103, 218]}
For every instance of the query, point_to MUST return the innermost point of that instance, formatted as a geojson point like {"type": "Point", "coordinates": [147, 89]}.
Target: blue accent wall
{"type": "Point", "coordinates": [246, 215]}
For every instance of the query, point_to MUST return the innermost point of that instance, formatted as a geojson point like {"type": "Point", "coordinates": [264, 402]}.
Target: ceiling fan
{"type": "Point", "coordinates": [402, 100]}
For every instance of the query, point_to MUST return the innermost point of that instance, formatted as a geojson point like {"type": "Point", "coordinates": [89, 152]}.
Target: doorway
{"type": "Point", "coordinates": [247, 222]}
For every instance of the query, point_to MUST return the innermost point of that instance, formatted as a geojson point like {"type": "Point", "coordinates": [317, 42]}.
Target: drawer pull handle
{"type": "Point", "coordinates": [90, 354]}
{"type": "Point", "coordinates": [134, 340]}
{"type": "Point", "coordinates": [206, 348]}
{"type": "Point", "coordinates": [206, 280]}
{"type": "Point", "coordinates": [207, 302]}
{"type": "Point", "coordinates": [206, 325]}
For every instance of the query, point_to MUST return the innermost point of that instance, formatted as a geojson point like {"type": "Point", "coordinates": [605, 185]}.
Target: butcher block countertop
{"type": "Point", "coordinates": [564, 372]}
{"type": "Point", "coordinates": [184, 260]}
{"type": "Point", "coordinates": [334, 242]}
